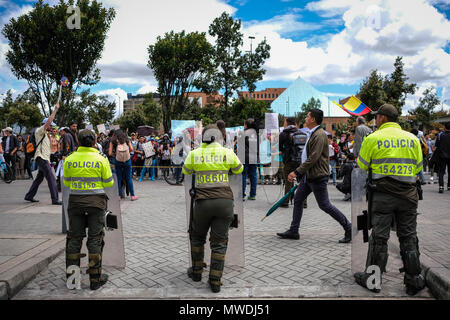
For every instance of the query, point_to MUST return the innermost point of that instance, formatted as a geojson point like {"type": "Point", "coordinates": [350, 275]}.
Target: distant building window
{"type": "Point", "coordinates": [257, 95]}
{"type": "Point", "coordinates": [273, 95]}
{"type": "Point", "coordinates": [277, 95]}
{"type": "Point", "coordinates": [333, 126]}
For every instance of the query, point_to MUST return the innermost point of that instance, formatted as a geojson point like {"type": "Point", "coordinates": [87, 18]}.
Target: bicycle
{"type": "Point", "coordinates": [169, 175]}
{"type": "Point", "coordinates": [5, 171]}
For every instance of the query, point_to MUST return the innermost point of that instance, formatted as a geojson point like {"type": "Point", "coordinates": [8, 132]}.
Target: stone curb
{"type": "Point", "coordinates": [176, 293]}
{"type": "Point", "coordinates": [13, 280]}
{"type": "Point", "coordinates": [438, 281]}
{"type": "Point", "coordinates": [436, 275]}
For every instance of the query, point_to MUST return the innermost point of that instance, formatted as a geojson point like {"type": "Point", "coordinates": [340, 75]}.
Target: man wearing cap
{"type": "Point", "coordinates": [87, 173]}
{"type": "Point", "coordinates": [10, 145]}
{"type": "Point", "coordinates": [42, 158]}
{"type": "Point", "coordinates": [395, 158]}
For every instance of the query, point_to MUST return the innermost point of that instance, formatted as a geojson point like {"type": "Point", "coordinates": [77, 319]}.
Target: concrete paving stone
{"type": "Point", "coordinates": [15, 247]}
{"type": "Point", "coordinates": [4, 258]}
{"type": "Point", "coordinates": [158, 260]}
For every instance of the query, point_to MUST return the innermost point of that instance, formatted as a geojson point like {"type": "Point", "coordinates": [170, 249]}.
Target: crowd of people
{"type": "Point", "coordinates": [18, 151]}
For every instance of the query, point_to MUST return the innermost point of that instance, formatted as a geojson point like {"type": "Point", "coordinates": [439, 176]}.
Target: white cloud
{"type": "Point", "coordinates": [147, 88]}
{"type": "Point", "coordinates": [376, 31]}
{"type": "Point", "coordinates": [137, 25]}
{"type": "Point", "coordinates": [116, 95]}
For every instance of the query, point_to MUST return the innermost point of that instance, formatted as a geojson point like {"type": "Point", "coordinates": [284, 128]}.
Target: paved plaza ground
{"type": "Point", "coordinates": [156, 248]}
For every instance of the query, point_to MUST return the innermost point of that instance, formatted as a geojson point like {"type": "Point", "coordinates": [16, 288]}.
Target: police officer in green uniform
{"type": "Point", "coordinates": [211, 163]}
{"type": "Point", "coordinates": [87, 173]}
{"type": "Point", "coordinates": [395, 158]}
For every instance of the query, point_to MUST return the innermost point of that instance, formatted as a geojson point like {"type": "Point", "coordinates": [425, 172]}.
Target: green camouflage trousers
{"type": "Point", "coordinates": [79, 220]}
{"type": "Point", "coordinates": [216, 214]}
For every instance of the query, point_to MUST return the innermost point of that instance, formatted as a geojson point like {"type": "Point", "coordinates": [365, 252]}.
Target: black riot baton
{"type": "Point", "coordinates": [364, 221]}
{"type": "Point", "coordinates": [191, 212]}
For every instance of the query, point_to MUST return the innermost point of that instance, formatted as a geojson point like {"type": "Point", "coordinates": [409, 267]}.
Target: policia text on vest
{"type": "Point", "coordinates": [87, 174]}
{"type": "Point", "coordinates": [213, 206]}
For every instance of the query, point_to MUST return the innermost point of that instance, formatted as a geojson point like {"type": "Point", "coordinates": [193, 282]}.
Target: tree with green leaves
{"type": "Point", "coordinates": [23, 113]}
{"type": "Point", "coordinates": [152, 111]}
{"type": "Point", "coordinates": [424, 113]}
{"type": "Point", "coordinates": [147, 113]}
{"type": "Point", "coordinates": [42, 49]}
{"type": "Point", "coordinates": [396, 87]}
{"type": "Point", "coordinates": [243, 109]}
{"type": "Point", "coordinates": [179, 62]}
{"type": "Point", "coordinates": [7, 104]}
{"type": "Point", "coordinates": [233, 68]}
{"type": "Point", "coordinates": [377, 90]}
{"type": "Point", "coordinates": [305, 108]}
{"type": "Point", "coordinates": [371, 92]}
{"type": "Point", "coordinates": [101, 111]}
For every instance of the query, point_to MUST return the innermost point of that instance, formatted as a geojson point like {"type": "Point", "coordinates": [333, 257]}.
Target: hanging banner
{"type": "Point", "coordinates": [271, 121]}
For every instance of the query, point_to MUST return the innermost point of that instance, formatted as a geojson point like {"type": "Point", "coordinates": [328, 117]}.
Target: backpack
{"type": "Point", "coordinates": [122, 152]}
{"type": "Point", "coordinates": [298, 142]}
{"type": "Point", "coordinates": [424, 146]}
{"type": "Point", "coordinates": [30, 144]}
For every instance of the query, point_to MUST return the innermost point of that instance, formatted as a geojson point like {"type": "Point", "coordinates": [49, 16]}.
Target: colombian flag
{"type": "Point", "coordinates": [354, 107]}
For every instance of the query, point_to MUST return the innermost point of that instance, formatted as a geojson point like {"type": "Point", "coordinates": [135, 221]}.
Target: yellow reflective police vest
{"type": "Point", "coordinates": [391, 152]}
{"type": "Point", "coordinates": [211, 164]}
{"type": "Point", "coordinates": [87, 172]}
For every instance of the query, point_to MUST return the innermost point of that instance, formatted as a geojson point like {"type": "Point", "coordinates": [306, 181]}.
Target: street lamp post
{"type": "Point", "coordinates": [119, 102]}
{"type": "Point", "coordinates": [251, 54]}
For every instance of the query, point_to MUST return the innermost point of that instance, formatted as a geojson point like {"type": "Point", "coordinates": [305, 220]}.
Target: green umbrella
{"type": "Point", "coordinates": [280, 202]}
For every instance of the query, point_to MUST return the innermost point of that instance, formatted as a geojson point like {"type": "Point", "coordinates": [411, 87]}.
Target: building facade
{"type": "Point", "coordinates": [205, 99]}
{"type": "Point", "coordinates": [133, 101]}
{"type": "Point", "coordinates": [268, 95]}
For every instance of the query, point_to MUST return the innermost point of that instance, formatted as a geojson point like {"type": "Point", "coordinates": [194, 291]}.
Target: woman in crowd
{"type": "Point", "coordinates": [121, 146]}
{"type": "Point", "coordinates": [140, 156]}
{"type": "Point", "coordinates": [20, 157]}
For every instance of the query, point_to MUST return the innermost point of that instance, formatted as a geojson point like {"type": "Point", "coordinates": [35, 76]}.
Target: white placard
{"type": "Point", "coordinates": [148, 149]}
{"type": "Point", "coordinates": [272, 121]}
{"type": "Point", "coordinates": [90, 127]}
{"type": "Point", "coordinates": [101, 128]}
{"type": "Point", "coordinates": [114, 126]}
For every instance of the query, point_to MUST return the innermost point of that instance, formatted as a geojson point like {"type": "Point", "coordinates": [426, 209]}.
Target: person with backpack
{"type": "Point", "coordinates": [42, 158]}
{"type": "Point", "coordinates": [292, 142]}
{"type": "Point", "coordinates": [424, 147]}
{"type": "Point", "coordinates": [120, 146]}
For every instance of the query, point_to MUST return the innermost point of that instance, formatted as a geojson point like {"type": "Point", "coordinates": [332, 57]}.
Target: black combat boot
{"type": "Point", "coordinates": [97, 282]}
{"type": "Point", "coordinates": [214, 285]}
{"type": "Point", "coordinates": [414, 283]}
{"type": "Point", "coordinates": [361, 279]}
{"type": "Point", "coordinates": [196, 274]}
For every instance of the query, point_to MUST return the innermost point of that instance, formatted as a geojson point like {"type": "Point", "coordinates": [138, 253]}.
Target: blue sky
{"type": "Point", "coordinates": [333, 44]}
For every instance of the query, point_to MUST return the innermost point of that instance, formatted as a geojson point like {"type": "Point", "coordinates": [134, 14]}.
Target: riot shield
{"type": "Point", "coordinates": [359, 247]}
{"type": "Point", "coordinates": [235, 251]}
{"type": "Point", "coordinates": [114, 251]}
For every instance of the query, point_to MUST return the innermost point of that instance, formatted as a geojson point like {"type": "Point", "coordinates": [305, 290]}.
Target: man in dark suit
{"type": "Point", "coordinates": [10, 144]}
